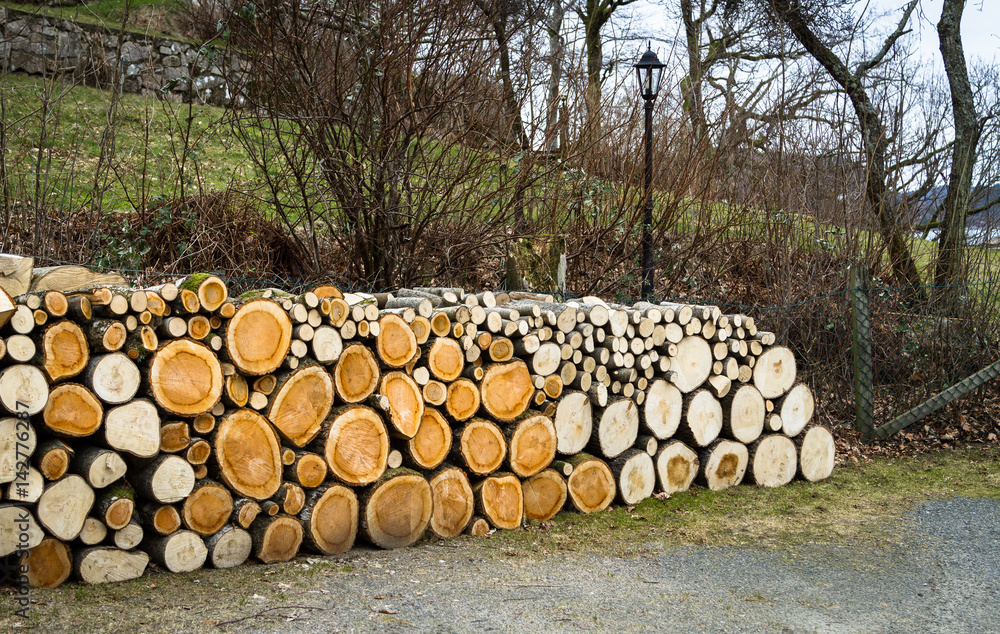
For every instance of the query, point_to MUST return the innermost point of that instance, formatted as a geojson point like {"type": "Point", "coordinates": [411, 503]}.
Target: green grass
{"type": "Point", "coordinates": [151, 141]}
{"type": "Point", "coordinates": [859, 507]}
{"type": "Point", "coordinates": [858, 498]}
{"type": "Point", "coordinates": [154, 17]}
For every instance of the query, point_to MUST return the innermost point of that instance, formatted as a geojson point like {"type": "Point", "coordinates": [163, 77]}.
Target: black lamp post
{"type": "Point", "coordinates": [649, 70]}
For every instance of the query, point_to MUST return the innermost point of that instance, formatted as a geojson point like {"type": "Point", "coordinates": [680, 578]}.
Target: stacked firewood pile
{"type": "Point", "coordinates": [179, 425]}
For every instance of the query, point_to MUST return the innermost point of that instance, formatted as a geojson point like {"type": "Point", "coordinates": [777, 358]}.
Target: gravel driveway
{"type": "Point", "coordinates": [943, 576]}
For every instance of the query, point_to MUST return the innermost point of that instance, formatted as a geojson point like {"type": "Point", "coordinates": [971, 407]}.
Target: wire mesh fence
{"type": "Point", "coordinates": [878, 358]}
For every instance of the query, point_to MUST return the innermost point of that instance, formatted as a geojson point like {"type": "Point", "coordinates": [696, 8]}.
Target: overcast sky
{"type": "Point", "coordinates": [980, 28]}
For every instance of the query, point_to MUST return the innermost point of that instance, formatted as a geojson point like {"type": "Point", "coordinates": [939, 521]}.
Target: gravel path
{"type": "Point", "coordinates": [944, 577]}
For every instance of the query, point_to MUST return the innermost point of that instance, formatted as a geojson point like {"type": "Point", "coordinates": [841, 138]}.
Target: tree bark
{"type": "Point", "coordinates": [873, 133]}
{"type": "Point", "coordinates": [951, 243]}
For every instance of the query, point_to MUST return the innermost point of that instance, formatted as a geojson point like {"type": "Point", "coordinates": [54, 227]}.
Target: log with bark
{"type": "Point", "coordinates": [355, 444]}
{"type": "Point", "coordinates": [635, 476]}
{"type": "Point", "coordinates": [531, 445]}
{"type": "Point", "coordinates": [574, 422]}
{"type": "Point", "coordinates": [545, 494]}
{"type": "Point", "coordinates": [300, 403]}
{"type": "Point", "coordinates": [432, 443]}
{"type": "Point", "coordinates": [722, 464]}
{"type": "Point", "coordinates": [499, 498]}
{"type": "Point", "coordinates": [258, 337]}
{"type": "Point", "coordinates": [816, 453]}
{"type": "Point", "coordinates": [453, 502]}
{"type": "Point", "coordinates": [507, 390]}
{"type": "Point", "coordinates": [772, 461]}
{"type": "Point", "coordinates": [329, 519]}
{"type": "Point", "coordinates": [246, 454]}
{"type": "Point", "coordinates": [395, 509]}
{"type": "Point", "coordinates": [591, 485]}
{"type": "Point", "coordinates": [229, 547]}
{"type": "Point", "coordinates": [676, 467]}
{"type": "Point", "coordinates": [107, 564]}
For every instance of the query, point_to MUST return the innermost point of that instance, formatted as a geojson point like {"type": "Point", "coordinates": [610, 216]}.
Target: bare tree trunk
{"type": "Point", "coordinates": [873, 132]}
{"type": "Point", "coordinates": [517, 136]}
{"type": "Point", "coordinates": [595, 64]}
{"type": "Point", "coordinates": [691, 84]}
{"type": "Point", "coordinates": [951, 244]}
{"type": "Point", "coordinates": [554, 27]}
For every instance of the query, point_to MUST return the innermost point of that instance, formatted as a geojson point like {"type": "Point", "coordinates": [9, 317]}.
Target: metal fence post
{"type": "Point", "coordinates": [861, 349]}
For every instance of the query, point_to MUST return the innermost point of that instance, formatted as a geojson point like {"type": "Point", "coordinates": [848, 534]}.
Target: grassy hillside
{"type": "Point", "coordinates": [156, 17]}
{"type": "Point", "coordinates": [55, 132]}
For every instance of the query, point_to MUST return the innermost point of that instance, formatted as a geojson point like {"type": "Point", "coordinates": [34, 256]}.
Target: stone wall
{"type": "Point", "coordinates": [169, 69]}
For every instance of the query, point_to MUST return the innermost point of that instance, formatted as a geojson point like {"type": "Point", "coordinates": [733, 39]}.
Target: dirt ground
{"type": "Point", "coordinates": [932, 561]}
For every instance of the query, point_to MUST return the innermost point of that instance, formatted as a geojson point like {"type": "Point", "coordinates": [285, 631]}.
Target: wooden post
{"type": "Point", "coordinates": [861, 349]}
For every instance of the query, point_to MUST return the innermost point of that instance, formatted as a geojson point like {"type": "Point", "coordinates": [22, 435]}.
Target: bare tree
{"type": "Point", "coordinates": [378, 131]}
{"type": "Point", "coordinates": [802, 18]}
{"type": "Point", "coordinates": [595, 14]}
{"type": "Point", "coordinates": [951, 249]}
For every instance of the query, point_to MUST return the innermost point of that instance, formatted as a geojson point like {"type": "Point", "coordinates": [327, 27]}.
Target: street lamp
{"type": "Point", "coordinates": [649, 70]}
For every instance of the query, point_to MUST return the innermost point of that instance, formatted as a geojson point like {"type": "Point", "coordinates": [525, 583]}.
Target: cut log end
{"type": "Point", "coordinates": [245, 438]}
{"type": "Point", "coordinates": [185, 378]}
{"type": "Point", "coordinates": [397, 509]}
{"type": "Point", "coordinates": [330, 520]}
{"type": "Point", "coordinates": [817, 453]}
{"type": "Point", "coordinates": [501, 500]}
{"type": "Point", "coordinates": [676, 467]}
{"type": "Point", "coordinates": [591, 485]}
{"type": "Point", "coordinates": [545, 495]}
{"type": "Point", "coordinates": [453, 503]}
{"type": "Point", "coordinates": [357, 446]}
{"type": "Point", "coordinates": [507, 390]}
{"type": "Point", "coordinates": [356, 375]}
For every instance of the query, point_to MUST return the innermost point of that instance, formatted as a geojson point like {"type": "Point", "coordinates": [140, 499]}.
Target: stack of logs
{"type": "Point", "coordinates": [178, 424]}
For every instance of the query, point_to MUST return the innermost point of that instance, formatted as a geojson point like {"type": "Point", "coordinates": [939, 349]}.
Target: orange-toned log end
{"type": "Point", "coordinates": [356, 375]}
{"type": "Point", "coordinates": [532, 445]}
{"type": "Point", "coordinates": [330, 520]}
{"type": "Point", "coordinates": [55, 303]}
{"type": "Point", "coordinates": [591, 485]}
{"type": "Point", "coordinates": [276, 538]}
{"type": "Point", "coordinates": [445, 359]}
{"type": "Point", "coordinates": [211, 290]}
{"type": "Point", "coordinates": [258, 337]}
{"type": "Point", "coordinates": [397, 509]}
{"type": "Point", "coordinates": [454, 502]}
{"type": "Point", "coordinates": [309, 470]}
{"type": "Point", "coordinates": [500, 499]}
{"type": "Point", "coordinates": [65, 352]}
{"type": "Point", "coordinates": [507, 390]}
{"type": "Point", "coordinates": [406, 402]}
{"type": "Point", "coordinates": [481, 447]}
{"type": "Point", "coordinates": [208, 508]}
{"type": "Point", "coordinates": [327, 290]}
{"type": "Point", "coordinates": [544, 495]}
{"type": "Point", "coordinates": [462, 400]}
{"type": "Point", "coordinates": [248, 454]}
{"type": "Point", "coordinates": [48, 564]}
{"type": "Point", "coordinates": [301, 403]}
{"type": "Point", "coordinates": [430, 446]}
{"type": "Point", "coordinates": [72, 410]}
{"type": "Point", "coordinates": [396, 343]}
{"type": "Point", "coordinates": [357, 445]}
{"type": "Point", "coordinates": [185, 378]}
